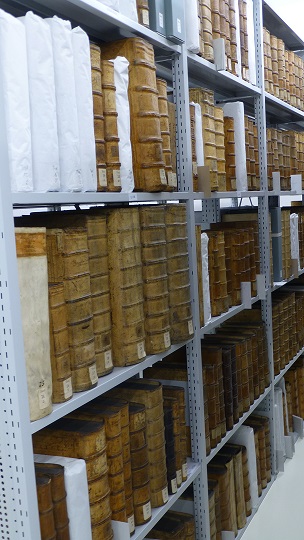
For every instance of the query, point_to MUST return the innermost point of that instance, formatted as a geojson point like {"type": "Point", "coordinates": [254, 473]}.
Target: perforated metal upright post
{"type": "Point", "coordinates": [18, 502]}
{"type": "Point", "coordinates": [264, 228]}
{"type": "Point", "coordinates": [194, 361]}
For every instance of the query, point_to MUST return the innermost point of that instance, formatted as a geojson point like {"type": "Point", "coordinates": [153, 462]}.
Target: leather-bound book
{"type": "Point", "coordinates": [126, 286]}
{"type": "Point", "coordinates": [155, 278]}
{"type": "Point", "coordinates": [110, 126]}
{"type": "Point", "coordinates": [56, 473]}
{"type": "Point", "coordinates": [235, 452]}
{"type": "Point", "coordinates": [168, 528]}
{"type": "Point", "coordinates": [187, 520]}
{"type": "Point", "coordinates": [59, 345]}
{"type": "Point", "coordinates": [45, 507]}
{"type": "Point", "coordinates": [178, 273]}
{"type": "Point", "coordinates": [143, 12]}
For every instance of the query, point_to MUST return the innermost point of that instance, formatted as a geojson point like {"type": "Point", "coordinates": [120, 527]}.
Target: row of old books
{"type": "Point", "coordinates": [227, 20]}
{"type": "Point", "coordinates": [235, 373]}
{"type": "Point", "coordinates": [230, 478]}
{"type": "Point", "coordinates": [283, 71]}
{"type": "Point", "coordinates": [294, 388]}
{"type": "Point", "coordinates": [151, 137]}
{"type": "Point", "coordinates": [136, 10]}
{"type": "Point", "coordinates": [117, 285]}
{"type": "Point", "coordinates": [230, 144]}
{"type": "Point", "coordinates": [285, 154]}
{"type": "Point", "coordinates": [233, 258]}
{"type": "Point", "coordinates": [133, 441]}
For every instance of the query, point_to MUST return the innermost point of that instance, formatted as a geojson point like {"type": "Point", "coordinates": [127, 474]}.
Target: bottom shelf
{"type": "Point", "coordinates": [121, 529]}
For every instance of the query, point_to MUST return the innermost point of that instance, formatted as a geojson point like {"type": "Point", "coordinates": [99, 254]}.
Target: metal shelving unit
{"type": "Point", "coordinates": [18, 508]}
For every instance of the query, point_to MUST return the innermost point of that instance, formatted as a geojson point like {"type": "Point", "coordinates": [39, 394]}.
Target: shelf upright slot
{"type": "Point", "coordinates": [194, 361]}
{"type": "Point", "coordinates": [18, 503]}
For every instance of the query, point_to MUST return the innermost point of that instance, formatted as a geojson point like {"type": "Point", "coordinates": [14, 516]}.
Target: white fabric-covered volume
{"type": "Point", "coordinates": [192, 26]}
{"type": "Point", "coordinates": [251, 42]}
{"type": "Point", "coordinates": [114, 4]}
{"type": "Point", "coordinates": [236, 111]}
{"type": "Point", "coordinates": [129, 9]}
{"type": "Point", "coordinates": [294, 237]}
{"type": "Point", "coordinates": [76, 486]}
{"type": "Point", "coordinates": [15, 97]}
{"type": "Point", "coordinates": [84, 97]}
{"type": "Point", "coordinates": [205, 274]}
{"type": "Point", "coordinates": [45, 151]}
{"type": "Point", "coordinates": [199, 142]}
{"type": "Point", "coordinates": [121, 79]}
{"type": "Point", "coordinates": [245, 437]}
{"type": "Point", "coordinates": [68, 135]}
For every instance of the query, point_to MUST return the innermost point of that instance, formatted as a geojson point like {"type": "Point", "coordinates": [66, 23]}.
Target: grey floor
{"type": "Point", "coordinates": [280, 516]}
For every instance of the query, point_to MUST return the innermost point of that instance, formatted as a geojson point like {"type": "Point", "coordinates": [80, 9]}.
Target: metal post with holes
{"type": "Point", "coordinates": [18, 503]}
{"type": "Point", "coordinates": [194, 361]}
{"type": "Point", "coordinates": [264, 225]}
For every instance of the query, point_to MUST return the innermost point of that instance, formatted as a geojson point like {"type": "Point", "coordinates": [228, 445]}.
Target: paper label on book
{"type": "Point", "coordinates": [165, 494]}
{"type": "Point", "coordinates": [145, 17]}
{"type": "Point", "coordinates": [167, 339]}
{"type": "Point", "coordinates": [179, 477]}
{"type": "Point", "coordinates": [43, 398]}
{"type": "Point", "coordinates": [131, 522]}
{"type": "Point", "coordinates": [93, 374]}
{"type": "Point", "coordinates": [190, 327]}
{"type": "Point", "coordinates": [174, 485]}
{"type": "Point", "coordinates": [161, 20]}
{"type": "Point", "coordinates": [108, 359]}
{"type": "Point", "coordinates": [162, 174]}
{"type": "Point", "coordinates": [141, 353]}
{"type": "Point", "coordinates": [116, 178]}
{"type": "Point", "coordinates": [147, 511]}
{"type": "Point", "coordinates": [194, 167]}
{"type": "Point", "coordinates": [179, 25]}
{"type": "Point", "coordinates": [229, 64]}
{"type": "Point", "coordinates": [102, 178]}
{"type": "Point", "coordinates": [185, 470]}
{"type": "Point", "coordinates": [67, 388]}
{"type": "Point", "coordinates": [172, 179]}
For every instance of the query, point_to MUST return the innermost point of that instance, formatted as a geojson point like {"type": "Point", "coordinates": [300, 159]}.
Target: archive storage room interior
{"type": "Point", "coordinates": [151, 268]}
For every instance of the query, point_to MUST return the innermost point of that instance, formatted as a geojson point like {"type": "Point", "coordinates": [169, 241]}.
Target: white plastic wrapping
{"type": "Point", "coordinates": [121, 79]}
{"type": "Point", "coordinates": [205, 275]}
{"type": "Point", "coordinates": [236, 110]}
{"type": "Point", "coordinates": [15, 96]}
{"type": "Point", "coordinates": [129, 9]}
{"type": "Point", "coordinates": [245, 437]}
{"type": "Point", "coordinates": [85, 114]}
{"type": "Point", "coordinates": [294, 238]}
{"type": "Point", "coordinates": [192, 26]}
{"type": "Point", "coordinates": [238, 38]}
{"type": "Point", "coordinates": [76, 486]}
{"type": "Point", "coordinates": [279, 422]}
{"type": "Point", "coordinates": [199, 143]}
{"type": "Point", "coordinates": [114, 4]}
{"type": "Point", "coordinates": [251, 42]}
{"type": "Point", "coordinates": [45, 150]}
{"type": "Point", "coordinates": [66, 104]}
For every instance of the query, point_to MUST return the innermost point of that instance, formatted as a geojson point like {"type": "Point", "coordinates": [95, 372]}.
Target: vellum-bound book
{"type": "Point", "coordinates": [126, 286]}
{"type": "Point", "coordinates": [33, 285]}
{"type": "Point", "coordinates": [147, 148]}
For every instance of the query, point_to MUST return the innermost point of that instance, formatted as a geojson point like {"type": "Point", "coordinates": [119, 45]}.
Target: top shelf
{"type": "Point", "coordinates": [275, 25]}
{"type": "Point", "coordinates": [98, 20]}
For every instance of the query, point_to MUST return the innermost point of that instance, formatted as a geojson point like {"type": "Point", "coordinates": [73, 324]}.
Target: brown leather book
{"type": "Point", "coordinates": [143, 12]}
{"type": "Point", "coordinates": [45, 507]}
{"type": "Point", "coordinates": [235, 452]}
{"type": "Point", "coordinates": [110, 126]}
{"type": "Point", "coordinates": [168, 527]}
{"type": "Point", "coordinates": [221, 469]}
